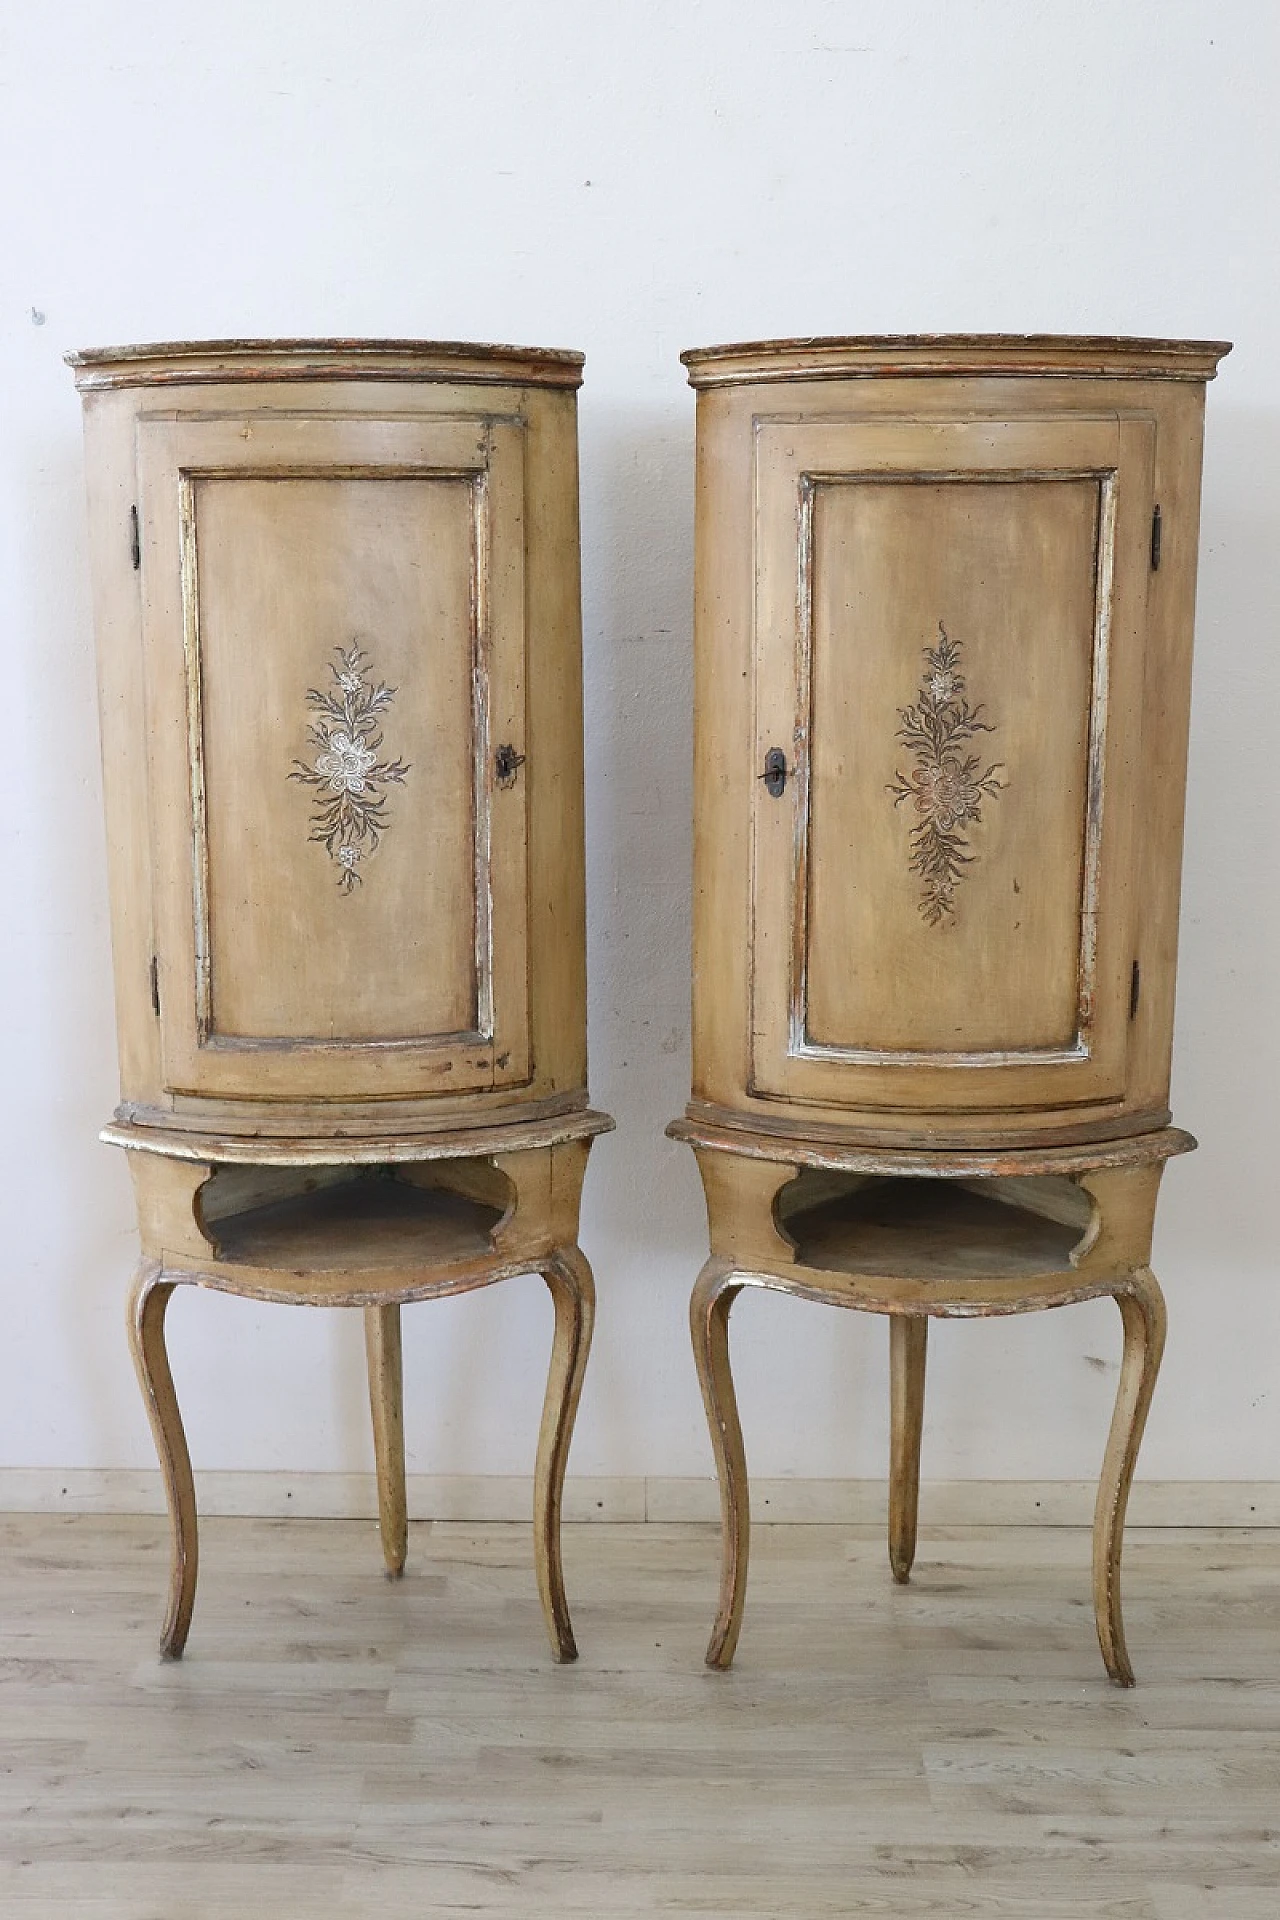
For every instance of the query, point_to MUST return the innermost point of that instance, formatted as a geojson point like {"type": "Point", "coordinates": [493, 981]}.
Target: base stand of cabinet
{"type": "Point", "coordinates": [920, 1234]}
{"type": "Point", "coordinates": [372, 1225]}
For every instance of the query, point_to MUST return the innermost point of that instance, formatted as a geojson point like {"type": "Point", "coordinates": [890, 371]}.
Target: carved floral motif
{"type": "Point", "coordinates": [946, 786]}
{"type": "Point", "coordinates": [349, 816]}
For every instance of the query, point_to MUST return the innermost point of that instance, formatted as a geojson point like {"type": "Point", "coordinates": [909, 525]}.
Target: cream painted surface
{"type": "Point", "coordinates": [633, 181]}
{"type": "Point", "coordinates": [1002, 973]}
{"type": "Point", "coordinates": [299, 542]}
{"type": "Point", "coordinates": [284, 552]}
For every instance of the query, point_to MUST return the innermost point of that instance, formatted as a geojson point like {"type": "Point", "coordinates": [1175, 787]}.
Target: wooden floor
{"type": "Point", "coordinates": [337, 1745]}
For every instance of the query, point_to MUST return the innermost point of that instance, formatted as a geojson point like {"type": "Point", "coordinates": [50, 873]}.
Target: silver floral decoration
{"type": "Point", "coordinates": [350, 816]}
{"type": "Point", "coordinates": [946, 785]}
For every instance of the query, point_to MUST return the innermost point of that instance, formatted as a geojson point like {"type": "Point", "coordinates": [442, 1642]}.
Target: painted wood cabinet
{"type": "Point", "coordinates": [944, 600]}
{"type": "Point", "coordinates": [336, 593]}
{"type": "Point", "coordinates": [338, 606]}
{"type": "Point", "coordinates": [944, 608]}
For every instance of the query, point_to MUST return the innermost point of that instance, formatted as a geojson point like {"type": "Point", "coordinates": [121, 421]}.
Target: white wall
{"type": "Point", "coordinates": [632, 179]}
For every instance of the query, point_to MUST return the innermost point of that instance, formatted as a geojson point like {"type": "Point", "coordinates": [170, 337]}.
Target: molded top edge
{"type": "Point", "coordinates": [892, 355]}
{"type": "Point", "coordinates": [299, 1150]}
{"type": "Point", "coordinates": [933, 1162]}
{"type": "Point", "coordinates": [189, 362]}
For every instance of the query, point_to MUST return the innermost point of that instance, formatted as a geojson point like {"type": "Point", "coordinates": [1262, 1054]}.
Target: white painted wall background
{"type": "Point", "coordinates": [632, 179]}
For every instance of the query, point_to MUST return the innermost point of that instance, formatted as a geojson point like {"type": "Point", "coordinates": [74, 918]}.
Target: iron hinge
{"type": "Point", "coordinates": [1135, 988]}
{"type": "Point", "coordinates": [135, 542]}
{"type": "Point", "coordinates": [155, 986]}
{"type": "Point", "coordinates": [1155, 541]}
{"type": "Point", "coordinates": [506, 764]}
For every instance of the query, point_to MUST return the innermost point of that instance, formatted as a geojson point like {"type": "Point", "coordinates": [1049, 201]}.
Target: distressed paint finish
{"type": "Point", "coordinates": [946, 785]}
{"type": "Point", "coordinates": [431, 1232]}
{"type": "Point", "coordinates": [924, 356]}
{"type": "Point", "coordinates": [1033, 534]}
{"type": "Point", "coordinates": [764, 1235]}
{"type": "Point", "coordinates": [831, 1013]}
{"type": "Point", "coordinates": [349, 814]}
{"type": "Point", "coordinates": [950, 1101]}
{"type": "Point", "coordinates": [433, 421]}
{"type": "Point", "coordinates": [299, 525]}
{"type": "Point", "coordinates": [177, 363]}
{"type": "Point", "coordinates": [369, 1092]}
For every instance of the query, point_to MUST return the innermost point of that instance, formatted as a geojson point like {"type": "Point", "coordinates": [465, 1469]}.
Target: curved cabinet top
{"type": "Point", "coordinates": [944, 591]}
{"type": "Point", "coordinates": [898, 356]}
{"type": "Point", "coordinates": [337, 600]}
{"type": "Point", "coordinates": [171, 363]}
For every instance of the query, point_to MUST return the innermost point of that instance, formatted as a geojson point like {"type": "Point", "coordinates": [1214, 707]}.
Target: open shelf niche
{"type": "Point", "coordinates": [947, 1228]}
{"type": "Point", "coordinates": [345, 1218]}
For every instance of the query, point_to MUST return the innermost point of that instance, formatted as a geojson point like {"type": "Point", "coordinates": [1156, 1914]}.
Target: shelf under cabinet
{"type": "Point", "coordinates": [934, 1228]}
{"type": "Point", "coordinates": [368, 1221]}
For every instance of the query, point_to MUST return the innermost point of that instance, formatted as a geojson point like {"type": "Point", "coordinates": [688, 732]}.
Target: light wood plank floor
{"type": "Point", "coordinates": [336, 1745]}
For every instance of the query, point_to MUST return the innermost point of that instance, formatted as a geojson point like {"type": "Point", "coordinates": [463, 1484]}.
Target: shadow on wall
{"type": "Point", "coordinates": [1215, 1215]}
{"type": "Point", "coordinates": [72, 1234]}
{"type": "Point", "coordinates": [637, 491]}
{"type": "Point", "coordinates": [643, 1219]}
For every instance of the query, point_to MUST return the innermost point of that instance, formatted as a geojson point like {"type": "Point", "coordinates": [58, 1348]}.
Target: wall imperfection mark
{"type": "Point", "coordinates": [37, 318]}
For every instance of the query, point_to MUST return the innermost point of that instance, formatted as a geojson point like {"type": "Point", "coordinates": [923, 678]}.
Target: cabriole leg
{"type": "Point", "coordinates": [1142, 1309]}
{"type": "Point", "coordinates": [386, 1401]}
{"type": "Point", "coordinates": [908, 1345]}
{"type": "Point", "coordinates": [714, 1293]}
{"type": "Point", "coordinates": [573, 1292]}
{"type": "Point", "coordinates": [147, 1303]}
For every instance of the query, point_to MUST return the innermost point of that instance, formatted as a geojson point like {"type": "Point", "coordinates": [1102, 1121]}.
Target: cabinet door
{"type": "Point", "coordinates": [949, 657]}
{"type": "Point", "coordinates": [333, 613]}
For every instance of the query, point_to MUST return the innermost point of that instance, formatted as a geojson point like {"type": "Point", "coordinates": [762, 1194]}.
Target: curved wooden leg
{"type": "Point", "coordinates": [386, 1402]}
{"type": "Point", "coordinates": [1142, 1309]}
{"type": "Point", "coordinates": [148, 1300]}
{"type": "Point", "coordinates": [573, 1292]}
{"type": "Point", "coordinates": [908, 1345]}
{"type": "Point", "coordinates": [714, 1292]}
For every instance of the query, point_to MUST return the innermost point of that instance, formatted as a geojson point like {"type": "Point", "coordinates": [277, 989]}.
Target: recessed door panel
{"type": "Point", "coordinates": [334, 621]}
{"type": "Point", "coordinates": [950, 646]}
{"type": "Point", "coordinates": [338, 760]}
{"type": "Point", "coordinates": [981, 597]}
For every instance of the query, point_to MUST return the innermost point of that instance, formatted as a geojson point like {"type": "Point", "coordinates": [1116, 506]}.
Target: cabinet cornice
{"type": "Point", "coordinates": [928, 355]}
{"type": "Point", "coordinates": [211, 362]}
